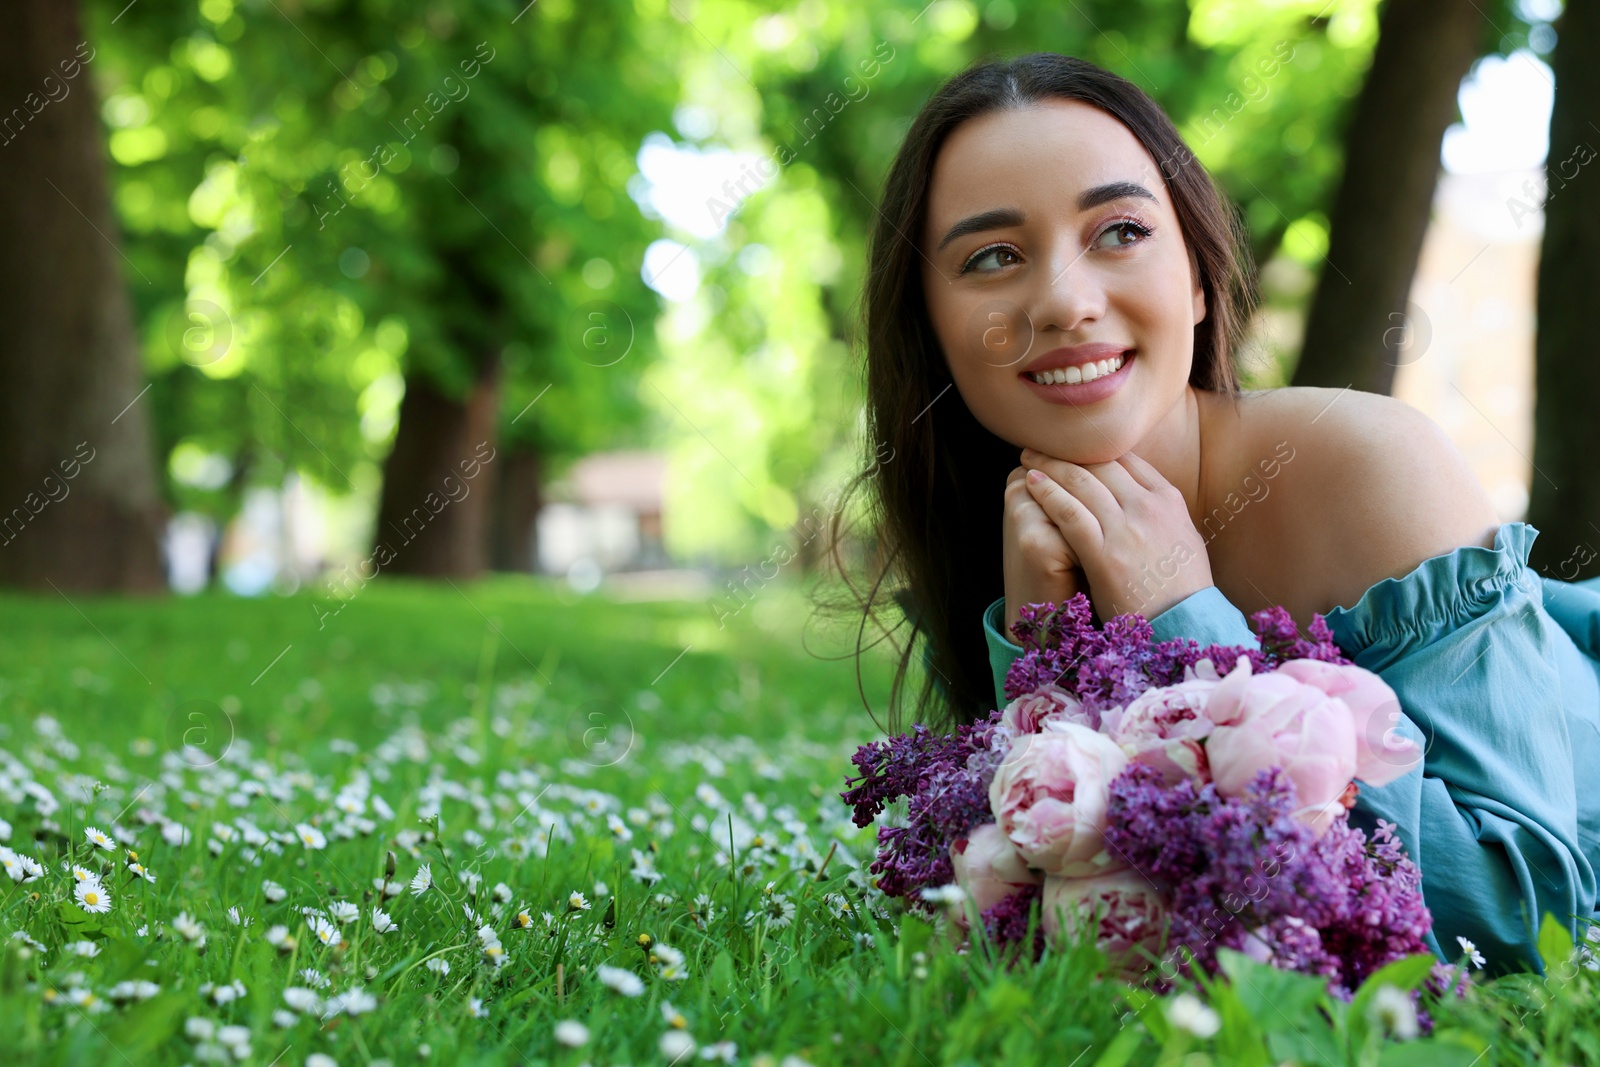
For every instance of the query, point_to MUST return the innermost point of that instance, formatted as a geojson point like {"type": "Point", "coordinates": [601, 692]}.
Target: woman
{"type": "Point", "coordinates": [1056, 298]}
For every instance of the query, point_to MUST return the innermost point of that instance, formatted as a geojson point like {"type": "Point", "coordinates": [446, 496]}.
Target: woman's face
{"type": "Point", "coordinates": [1051, 244]}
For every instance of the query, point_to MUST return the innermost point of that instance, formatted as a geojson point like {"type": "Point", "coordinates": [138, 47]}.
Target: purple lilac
{"type": "Point", "coordinates": [1333, 905]}
{"type": "Point", "coordinates": [1110, 666]}
{"type": "Point", "coordinates": [946, 777]}
{"type": "Point", "coordinates": [1007, 921]}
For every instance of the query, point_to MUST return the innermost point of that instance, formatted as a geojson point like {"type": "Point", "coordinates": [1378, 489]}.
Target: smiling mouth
{"type": "Point", "coordinates": [1078, 373]}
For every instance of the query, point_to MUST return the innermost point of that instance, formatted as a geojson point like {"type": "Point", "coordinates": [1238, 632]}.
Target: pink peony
{"type": "Point", "coordinates": [1381, 754]}
{"type": "Point", "coordinates": [1166, 729]}
{"type": "Point", "coordinates": [1049, 795]}
{"type": "Point", "coordinates": [988, 867]}
{"type": "Point", "coordinates": [1033, 711]}
{"type": "Point", "coordinates": [1275, 720]}
{"type": "Point", "coordinates": [1129, 907]}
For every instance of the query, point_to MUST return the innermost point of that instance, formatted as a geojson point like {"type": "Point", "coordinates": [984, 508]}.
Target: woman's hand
{"type": "Point", "coordinates": [1039, 565]}
{"type": "Point", "coordinates": [1127, 526]}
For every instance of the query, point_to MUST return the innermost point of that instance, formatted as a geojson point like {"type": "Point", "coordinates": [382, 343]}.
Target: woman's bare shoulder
{"type": "Point", "coordinates": [1376, 486]}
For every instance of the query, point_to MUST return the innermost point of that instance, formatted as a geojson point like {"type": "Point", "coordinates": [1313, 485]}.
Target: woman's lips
{"type": "Point", "coordinates": [1083, 392]}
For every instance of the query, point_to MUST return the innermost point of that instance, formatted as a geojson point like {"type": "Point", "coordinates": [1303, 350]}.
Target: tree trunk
{"type": "Point", "coordinates": [438, 482]}
{"type": "Point", "coordinates": [79, 503]}
{"type": "Point", "coordinates": [1359, 329]}
{"type": "Point", "coordinates": [1565, 505]}
{"type": "Point", "coordinates": [518, 496]}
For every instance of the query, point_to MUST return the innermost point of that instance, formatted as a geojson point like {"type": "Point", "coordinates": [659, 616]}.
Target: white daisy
{"type": "Point", "coordinates": [310, 836]}
{"type": "Point", "coordinates": [99, 839]}
{"type": "Point", "coordinates": [1187, 1012]}
{"type": "Point", "coordinates": [92, 897]}
{"type": "Point", "coordinates": [381, 921]}
{"type": "Point", "coordinates": [302, 1000]}
{"type": "Point", "coordinates": [571, 1033]}
{"type": "Point", "coordinates": [676, 1045]}
{"type": "Point", "coordinates": [577, 902]}
{"type": "Point", "coordinates": [438, 963]}
{"type": "Point", "coordinates": [1394, 1011]}
{"type": "Point", "coordinates": [273, 891]}
{"type": "Point", "coordinates": [423, 879]}
{"type": "Point", "coordinates": [944, 894]}
{"type": "Point", "coordinates": [619, 980]}
{"type": "Point", "coordinates": [726, 1051]}
{"type": "Point", "coordinates": [1471, 951]}
{"type": "Point", "coordinates": [325, 931]}
{"type": "Point", "coordinates": [344, 911]}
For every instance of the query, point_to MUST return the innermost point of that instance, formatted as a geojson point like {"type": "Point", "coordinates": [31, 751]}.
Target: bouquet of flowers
{"type": "Point", "coordinates": [1176, 799]}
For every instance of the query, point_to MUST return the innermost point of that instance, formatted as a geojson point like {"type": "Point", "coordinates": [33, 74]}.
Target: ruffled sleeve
{"type": "Point", "coordinates": [1205, 616]}
{"type": "Point", "coordinates": [1490, 816]}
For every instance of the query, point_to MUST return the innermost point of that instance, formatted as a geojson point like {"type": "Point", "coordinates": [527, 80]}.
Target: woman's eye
{"type": "Point", "coordinates": [984, 253]}
{"type": "Point", "coordinates": [1119, 232]}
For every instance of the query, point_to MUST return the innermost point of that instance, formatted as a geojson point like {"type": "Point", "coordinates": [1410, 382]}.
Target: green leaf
{"type": "Point", "coordinates": [1555, 942]}
{"type": "Point", "coordinates": [1277, 999]}
{"type": "Point", "coordinates": [79, 923]}
{"type": "Point", "coordinates": [1404, 974]}
{"type": "Point", "coordinates": [1151, 1012]}
{"type": "Point", "coordinates": [915, 934]}
{"type": "Point", "coordinates": [1427, 1054]}
{"type": "Point", "coordinates": [721, 975]}
{"type": "Point", "coordinates": [1120, 1051]}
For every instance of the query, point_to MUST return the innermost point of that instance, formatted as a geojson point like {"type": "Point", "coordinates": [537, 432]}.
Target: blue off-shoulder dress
{"type": "Point", "coordinates": [1498, 674]}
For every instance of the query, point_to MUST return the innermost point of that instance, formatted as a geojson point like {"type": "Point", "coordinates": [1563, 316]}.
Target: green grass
{"type": "Point", "coordinates": [500, 724]}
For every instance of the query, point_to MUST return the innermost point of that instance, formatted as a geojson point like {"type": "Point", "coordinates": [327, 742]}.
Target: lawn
{"type": "Point", "coordinates": [500, 823]}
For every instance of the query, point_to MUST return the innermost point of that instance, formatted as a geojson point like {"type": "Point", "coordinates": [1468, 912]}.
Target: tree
{"type": "Point", "coordinates": [1359, 317]}
{"type": "Point", "coordinates": [1565, 504]}
{"type": "Point", "coordinates": [77, 481]}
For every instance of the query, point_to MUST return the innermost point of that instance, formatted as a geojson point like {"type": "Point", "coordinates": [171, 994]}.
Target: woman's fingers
{"type": "Point", "coordinates": [1143, 472]}
{"type": "Point", "coordinates": [1077, 523]}
{"type": "Point", "coordinates": [1078, 482]}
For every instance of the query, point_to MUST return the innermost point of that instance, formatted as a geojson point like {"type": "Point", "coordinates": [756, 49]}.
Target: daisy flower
{"type": "Point", "coordinates": [138, 870]}
{"type": "Point", "coordinates": [619, 980]}
{"type": "Point", "coordinates": [302, 1000]}
{"type": "Point", "coordinates": [676, 1045]}
{"type": "Point", "coordinates": [381, 921]}
{"type": "Point", "coordinates": [673, 1017]}
{"type": "Point", "coordinates": [571, 1033]}
{"type": "Point", "coordinates": [577, 902]}
{"type": "Point", "coordinates": [92, 897]}
{"type": "Point", "coordinates": [344, 911]}
{"type": "Point", "coordinates": [1394, 1009]}
{"type": "Point", "coordinates": [326, 932]}
{"type": "Point", "coordinates": [1186, 1012]}
{"type": "Point", "coordinates": [671, 961]}
{"type": "Point", "coordinates": [100, 839]}
{"type": "Point", "coordinates": [944, 894]}
{"type": "Point", "coordinates": [438, 963]}
{"type": "Point", "coordinates": [273, 891]}
{"type": "Point", "coordinates": [310, 836]}
{"type": "Point", "coordinates": [424, 879]}
{"type": "Point", "coordinates": [1471, 951]}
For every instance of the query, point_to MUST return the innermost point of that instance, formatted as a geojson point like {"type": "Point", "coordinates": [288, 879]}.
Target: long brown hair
{"type": "Point", "coordinates": [938, 477]}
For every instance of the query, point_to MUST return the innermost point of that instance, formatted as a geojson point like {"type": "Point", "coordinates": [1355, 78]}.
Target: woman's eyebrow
{"type": "Point", "coordinates": [996, 218]}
